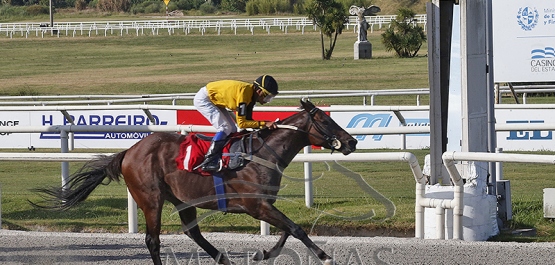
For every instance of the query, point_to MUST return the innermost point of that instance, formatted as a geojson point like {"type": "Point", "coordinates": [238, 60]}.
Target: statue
{"type": "Point", "coordinates": [361, 12]}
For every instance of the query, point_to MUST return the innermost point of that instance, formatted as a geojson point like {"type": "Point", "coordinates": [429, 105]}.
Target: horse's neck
{"type": "Point", "coordinates": [286, 143]}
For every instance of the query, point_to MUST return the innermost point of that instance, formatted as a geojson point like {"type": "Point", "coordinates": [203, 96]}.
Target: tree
{"type": "Point", "coordinates": [404, 36]}
{"type": "Point", "coordinates": [330, 16]}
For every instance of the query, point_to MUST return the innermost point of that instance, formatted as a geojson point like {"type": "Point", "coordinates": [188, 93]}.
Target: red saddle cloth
{"type": "Point", "coordinates": [191, 154]}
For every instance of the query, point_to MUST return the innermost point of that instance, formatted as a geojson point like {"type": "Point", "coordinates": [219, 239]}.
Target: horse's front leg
{"type": "Point", "coordinates": [274, 252]}
{"type": "Point", "coordinates": [270, 214]}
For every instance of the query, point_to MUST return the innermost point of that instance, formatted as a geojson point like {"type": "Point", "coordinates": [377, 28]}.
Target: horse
{"type": "Point", "coordinates": [152, 177]}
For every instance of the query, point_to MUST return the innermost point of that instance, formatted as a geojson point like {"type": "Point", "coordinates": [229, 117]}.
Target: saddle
{"type": "Point", "coordinates": [195, 145]}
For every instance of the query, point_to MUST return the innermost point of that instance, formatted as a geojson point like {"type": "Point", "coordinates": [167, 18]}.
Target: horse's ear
{"type": "Point", "coordinates": [307, 105]}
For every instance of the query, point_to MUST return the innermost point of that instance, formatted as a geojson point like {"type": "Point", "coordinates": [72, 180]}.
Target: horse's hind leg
{"type": "Point", "coordinates": [151, 205]}
{"type": "Point", "coordinates": [274, 252]}
{"type": "Point", "coordinates": [189, 224]}
{"type": "Point", "coordinates": [152, 239]}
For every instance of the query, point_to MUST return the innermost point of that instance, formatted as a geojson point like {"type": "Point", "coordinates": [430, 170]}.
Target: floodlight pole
{"type": "Point", "coordinates": [51, 14]}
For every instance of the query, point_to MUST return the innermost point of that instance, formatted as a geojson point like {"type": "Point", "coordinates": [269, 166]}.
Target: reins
{"type": "Point", "coordinates": [281, 164]}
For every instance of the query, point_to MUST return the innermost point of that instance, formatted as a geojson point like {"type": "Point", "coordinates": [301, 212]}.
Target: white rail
{"type": "Point", "coordinates": [171, 27]}
{"type": "Point", "coordinates": [119, 99]}
{"type": "Point", "coordinates": [147, 98]}
{"type": "Point", "coordinates": [457, 203]}
{"type": "Point", "coordinates": [132, 209]}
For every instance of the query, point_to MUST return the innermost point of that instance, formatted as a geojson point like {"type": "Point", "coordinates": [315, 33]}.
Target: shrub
{"type": "Point", "coordinates": [282, 6]}
{"type": "Point", "coordinates": [11, 11]}
{"type": "Point", "coordinates": [404, 36]}
{"type": "Point", "coordinates": [207, 8]}
{"type": "Point", "coordinates": [81, 4]}
{"type": "Point", "coordinates": [233, 5]}
{"type": "Point", "coordinates": [114, 5]}
{"type": "Point", "coordinates": [189, 4]}
{"type": "Point", "coordinates": [251, 8]}
{"type": "Point", "coordinates": [264, 7]}
{"type": "Point", "coordinates": [298, 8]}
{"type": "Point", "coordinates": [35, 10]}
{"type": "Point", "coordinates": [15, 2]}
{"type": "Point", "coordinates": [155, 7]}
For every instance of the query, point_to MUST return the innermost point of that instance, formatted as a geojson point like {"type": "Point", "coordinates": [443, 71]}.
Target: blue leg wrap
{"type": "Point", "coordinates": [220, 192]}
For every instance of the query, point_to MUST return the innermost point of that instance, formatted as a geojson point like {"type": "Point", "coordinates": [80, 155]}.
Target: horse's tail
{"type": "Point", "coordinates": [82, 183]}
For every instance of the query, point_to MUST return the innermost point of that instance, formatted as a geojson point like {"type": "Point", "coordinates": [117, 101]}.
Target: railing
{"type": "Point", "coordinates": [185, 26]}
{"type": "Point", "coordinates": [367, 96]}
{"type": "Point", "coordinates": [264, 227]}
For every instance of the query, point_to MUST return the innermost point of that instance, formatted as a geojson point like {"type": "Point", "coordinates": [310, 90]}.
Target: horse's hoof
{"type": "Point", "coordinates": [329, 262]}
{"type": "Point", "coordinates": [257, 256]}
{"type": "Point", "coordinates": [227, 262]}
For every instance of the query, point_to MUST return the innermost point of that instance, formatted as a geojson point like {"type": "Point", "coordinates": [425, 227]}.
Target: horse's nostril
{"type": "Point", "coordinates": [353, 144]}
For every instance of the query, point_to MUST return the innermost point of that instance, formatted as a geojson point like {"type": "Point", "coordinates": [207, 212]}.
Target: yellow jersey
{"type": "Point", "coordinates": [238, 96]}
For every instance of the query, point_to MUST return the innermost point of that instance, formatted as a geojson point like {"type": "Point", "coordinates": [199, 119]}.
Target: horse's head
{"type": "Point", "coordinates": [324, 131]}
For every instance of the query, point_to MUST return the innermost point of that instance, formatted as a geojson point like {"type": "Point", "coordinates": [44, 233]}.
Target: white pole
{"type": "Point", "coordinates": [264, 228]}
{"type": "Point", "coordinates": [0, 206]}
{"type": "Point", "coordinates": [132, 214]}
{"type": "Point", "coordinates": [65, 165]}
{"type": "Point", "coordinates": [499, 166]}
{"type": "Point", "coordinates": [308, 197]}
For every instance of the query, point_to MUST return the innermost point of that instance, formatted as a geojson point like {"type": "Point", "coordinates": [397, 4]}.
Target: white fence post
{"type": "Point", "coordinates": [132, 214]}
{"type": "Point", "coordinates": [0, 206]}
{"type": "Point", "coordinates": [308, 197]}
{"type": "Point", "coordinates": [64, 138]}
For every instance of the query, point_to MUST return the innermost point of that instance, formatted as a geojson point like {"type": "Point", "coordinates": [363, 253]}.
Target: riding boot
{"type": "Point", "coordinates": [212, 158]}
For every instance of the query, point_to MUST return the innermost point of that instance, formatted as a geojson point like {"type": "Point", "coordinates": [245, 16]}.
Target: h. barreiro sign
{"type": "Point", "coordinates": [524, 40]}
{"type": "Point", "coordinates": [82, 139]}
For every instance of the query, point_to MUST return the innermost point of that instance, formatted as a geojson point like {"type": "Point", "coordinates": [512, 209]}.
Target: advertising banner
{"type": "Point", "coordinates": [385, 119]}
{"type": "Point", "coordinates": [523, 40]}
{"type": "Point", "coordinates": [525, 140]}
{"type": "Point", "coordinates": [82, 139]}
{"type": "Point", "coordinates": [509, 141]}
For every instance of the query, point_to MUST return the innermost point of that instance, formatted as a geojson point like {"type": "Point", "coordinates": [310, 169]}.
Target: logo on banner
{"type": "Point", "coordinates": [418, 122]}
{"type": "Point", "coordinates": [367, 120]}
{"type": "Point", "coordinates": [543, 60]}
{"type": "Point", "coordinates": [548, 52]}
{"type": "Point", "coordinates": [525, 135]}
{"type": "Point", "coordinates": [104, 119]}
{"type": "Point", "coordinates": [527, 18]}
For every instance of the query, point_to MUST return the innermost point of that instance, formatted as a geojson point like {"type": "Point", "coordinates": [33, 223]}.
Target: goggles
{"type": "Point", "coordinates": [268, 97]}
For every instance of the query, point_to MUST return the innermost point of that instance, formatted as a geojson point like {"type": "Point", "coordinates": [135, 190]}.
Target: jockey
{"type": "Point", "coordinates": [213, 101]}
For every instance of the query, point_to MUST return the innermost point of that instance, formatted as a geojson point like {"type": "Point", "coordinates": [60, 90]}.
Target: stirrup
{"type": "Point", "coordinates": [211, 166]}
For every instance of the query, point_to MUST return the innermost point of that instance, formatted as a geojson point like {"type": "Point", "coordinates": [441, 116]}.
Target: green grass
{"type": "Point", "coordinates": [184, 63]}
{"type": "Point", "coordinates": [341, 204]}
{"type": "Point", "coordinates": [339, 201]}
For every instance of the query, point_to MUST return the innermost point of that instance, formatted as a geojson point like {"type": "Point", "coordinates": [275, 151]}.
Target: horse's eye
{"type": "Point", "coordinates": [325, 122]}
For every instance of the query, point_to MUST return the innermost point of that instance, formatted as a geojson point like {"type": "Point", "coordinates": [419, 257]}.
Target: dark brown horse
{"type": "Point", "coordinates": [152, 177]}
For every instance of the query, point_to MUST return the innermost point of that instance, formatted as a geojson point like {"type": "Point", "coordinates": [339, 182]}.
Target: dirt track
{"type": "Point", "coordinates": [18, 247]}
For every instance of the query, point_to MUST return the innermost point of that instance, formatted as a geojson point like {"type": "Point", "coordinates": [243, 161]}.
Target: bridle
{"type": "Point", "coordinates": [323, 133]}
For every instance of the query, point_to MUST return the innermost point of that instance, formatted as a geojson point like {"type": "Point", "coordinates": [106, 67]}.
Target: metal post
{"type": "Point", "coordinates": [264, 228]}
{"type": "Point", "coordinates": [308, 197]}
{"type": "Point", "coordinates": [0, 206]}
{"type": "Point", "coordinates": [51, 14]}
{"type": "Point", "coordinates": [499, 166]}
{"type": "Point", "coordinates": [490, 86]}
{"type": "Point", "coordinates": [132, 214]}
{"type": "Point", "coordinates": [65, 149]}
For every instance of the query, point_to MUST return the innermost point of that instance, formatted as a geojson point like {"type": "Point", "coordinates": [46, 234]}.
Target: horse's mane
{"type": "Point", "coordinates": [287, 121]}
